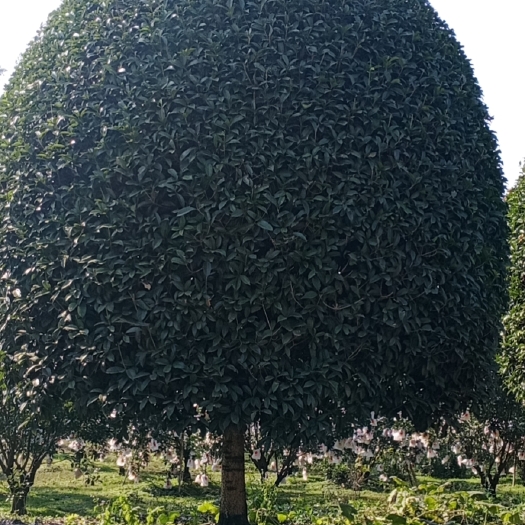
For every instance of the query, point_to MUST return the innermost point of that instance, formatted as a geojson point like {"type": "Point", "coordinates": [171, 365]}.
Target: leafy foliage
{"type": "Point", "coordinates": [268, 210]}
{"type": "Point", "coordinates": [29, 432]}
{"type": "Point", "coordinates": [513, 356]}
{"type": "Point", "coordinates": [429, 503]}
{"type": "Point", "coordinates": [493, 442]}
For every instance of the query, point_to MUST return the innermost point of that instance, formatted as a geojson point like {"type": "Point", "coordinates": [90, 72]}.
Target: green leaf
{"type": "Point", "coordinates": [208, 508]}
{"type": "Point", "coordinates": [115, 370]}
{"type": "Point", "coordinates": [347, 510]}
{"type": "Point", "coordinates": [299, 235]}
{"type": "Point", "coordinates": [185, 211]}
{"type": "Point", "coordinates": [396, 519]}
{"type": "Point", "coordinates": [265, 225]}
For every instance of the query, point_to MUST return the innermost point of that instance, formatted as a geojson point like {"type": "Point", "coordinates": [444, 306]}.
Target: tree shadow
{"type": "Point", "coordinates": [188, 490]}
{"type": "Point", "coordinates": [53, 502]}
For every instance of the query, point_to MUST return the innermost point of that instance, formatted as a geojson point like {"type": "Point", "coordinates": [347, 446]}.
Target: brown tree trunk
{"type": "Point", "coordinates": [287, 467]}
{"type": "Point", "coordinates": [233, 487]}
{"type": "Point", "coordinates": [482, 478]}
{"type": "Point", "coordinates": [19, 503]}
{"type": "Point", "coordinates": [412, 478]}
{"type": "Point", "coordinates": [493, 483]}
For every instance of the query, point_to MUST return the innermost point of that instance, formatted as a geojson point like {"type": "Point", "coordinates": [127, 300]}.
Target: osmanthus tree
{"type": "Point", "coordinates": [513, 354]}
{"type": "Point", "coordinates": [282, 212]}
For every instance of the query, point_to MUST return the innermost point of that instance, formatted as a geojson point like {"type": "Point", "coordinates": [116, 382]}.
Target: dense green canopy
{"type": "Point", "coordinates": [264, 209]}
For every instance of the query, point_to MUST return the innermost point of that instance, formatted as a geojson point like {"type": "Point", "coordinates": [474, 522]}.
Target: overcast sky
{"type": "Point", "coordinates": [490, 31]}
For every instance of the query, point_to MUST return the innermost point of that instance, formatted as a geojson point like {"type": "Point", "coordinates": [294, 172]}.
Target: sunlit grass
{"type": "Point", "coordinates": [58, 494]}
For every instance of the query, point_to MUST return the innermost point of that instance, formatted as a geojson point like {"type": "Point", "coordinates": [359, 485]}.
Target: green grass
{"type": "Point", "coordinates": [506, 491]}
{"type": "Point", "coordinates": [57, 493]}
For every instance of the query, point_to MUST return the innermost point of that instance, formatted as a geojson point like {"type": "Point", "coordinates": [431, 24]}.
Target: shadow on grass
{"type": "Point", "coordinates": [190, 491]}
{"type": "Point", "coordinates": [49, 501]}
{"type": "Point", "coordinates": [53, 502]}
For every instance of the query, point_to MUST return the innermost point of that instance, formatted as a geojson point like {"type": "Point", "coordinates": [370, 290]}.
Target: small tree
{"type": "Point", "coordinates": [264, 454]}
{"type": "Point", "coordinates": [280, 212]}
{"type": "Point", "coordinates": [386, 448]}
{"type": "Point", "coordinates": [492, 443]}
{"type": "Point", "coordinates": [29, 432]}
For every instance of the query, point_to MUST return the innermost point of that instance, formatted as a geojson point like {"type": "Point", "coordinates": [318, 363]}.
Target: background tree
{"type": "Point", "coordinates": [280, 458]}
{"type": "Point", "coordinates": [491, 443]}
{"type": "Point", "coordinates": [513, 355]}
{"type": "Point", "coordinates": [284, 212]}
{"type": "Point", "coordinates": [29, 433]}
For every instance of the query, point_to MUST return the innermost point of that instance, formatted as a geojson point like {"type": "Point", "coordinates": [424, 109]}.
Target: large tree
{"type": "Point", "coordinates": [286, 212]}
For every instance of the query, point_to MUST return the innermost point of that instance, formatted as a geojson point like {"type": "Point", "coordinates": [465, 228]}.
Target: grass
{"type": "Point", "coordinates": [58, 494]}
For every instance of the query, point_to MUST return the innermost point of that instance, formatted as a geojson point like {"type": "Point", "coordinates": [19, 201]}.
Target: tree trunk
{"type": "Point", "coordinates": [287, 468]}
{"type": "Point", "coordinates": [412, 478]}
{"type": "Point", "coordinates": [493, 483]}
{"type": "Point", "coordinates": [233, 487]}
{"type": "Point", "coordinates": [19, 502]}
{"type": "Point", "coordinates": [186, 474]}
{"type": "Point", "coordinates": [482, 478]}
{"type": "Point", "coordinates": [262, 466]}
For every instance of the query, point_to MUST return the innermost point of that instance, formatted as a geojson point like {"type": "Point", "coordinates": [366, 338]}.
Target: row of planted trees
{"type": "Point", "coordinates": [239, 214]}
{"type": "Point", "coordinates": [488, 445]}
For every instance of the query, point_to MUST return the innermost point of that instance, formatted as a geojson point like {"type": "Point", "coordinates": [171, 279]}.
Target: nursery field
{"type": "Point", "coordinates": [112, 499]}
{"type": "Point", "coordinates": [57, 493]}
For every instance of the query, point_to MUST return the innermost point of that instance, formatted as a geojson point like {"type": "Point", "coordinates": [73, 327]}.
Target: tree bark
{"type": "Point", "coordinates": [19, 503]}
{"type": "Point", "coordinates": [262, 466]}
{"type": "Point", "coordinates": [233, 509]}
{"type": "Point", "coordinates": [482, 477]}
{"type": "Point", "coordinates": [412, 478]}
{"type": "Point", "coordinates": [493, 483]}
{"type": "Point", "coordinates": [186, 474]}
{"type": "Point", "coordinates": [287, 468]}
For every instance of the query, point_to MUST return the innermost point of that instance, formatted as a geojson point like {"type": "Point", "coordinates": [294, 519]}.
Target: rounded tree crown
{"type": "Point", "coordinates": [273, 210]}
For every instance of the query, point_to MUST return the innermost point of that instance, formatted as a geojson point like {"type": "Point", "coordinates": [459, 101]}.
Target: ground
{"type": "Point", "coordinates": [57, 494]}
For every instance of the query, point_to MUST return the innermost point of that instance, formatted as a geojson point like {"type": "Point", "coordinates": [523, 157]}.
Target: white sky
{"type": "Point", "coordinates": [490, 31]}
